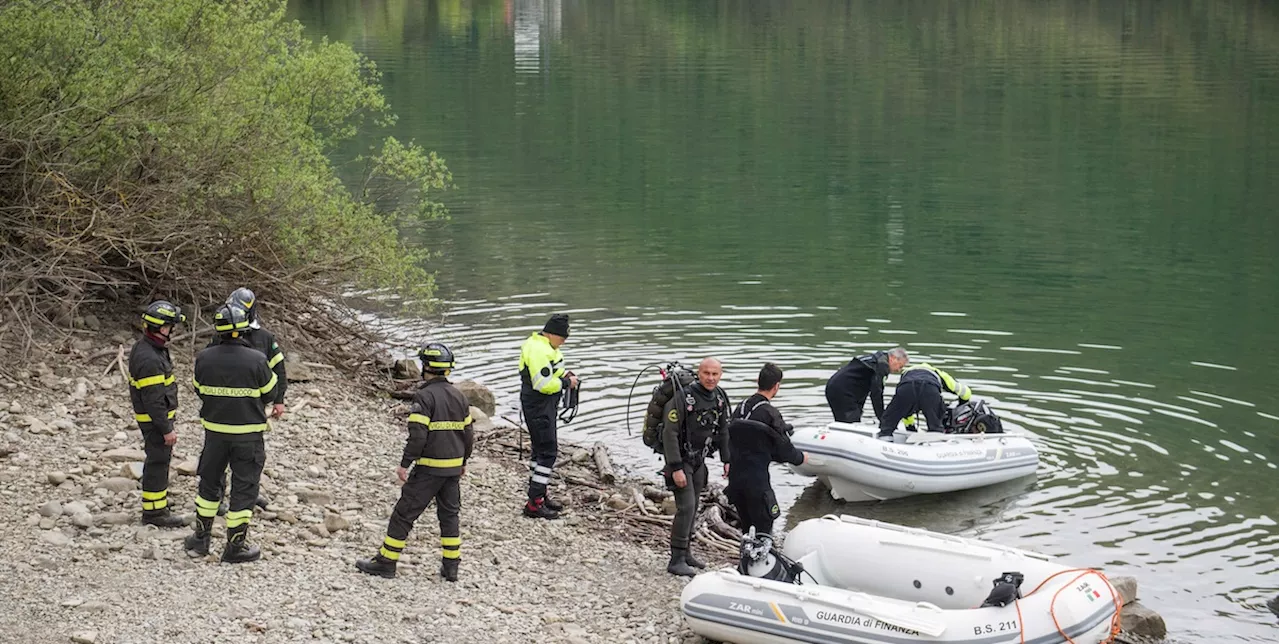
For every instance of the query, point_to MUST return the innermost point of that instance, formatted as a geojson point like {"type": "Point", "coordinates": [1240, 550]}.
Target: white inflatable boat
{"type": "Point", "coordinates": [866, 581]}
{"type": "Point", "coordinates": [849, 459]}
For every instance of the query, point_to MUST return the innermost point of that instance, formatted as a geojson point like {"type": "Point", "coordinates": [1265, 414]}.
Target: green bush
{"type": "Point", "coordinates": [186, 147]}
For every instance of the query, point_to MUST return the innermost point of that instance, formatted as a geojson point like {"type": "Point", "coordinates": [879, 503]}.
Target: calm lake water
{"type": "Point", "coordinates": [1072, 206]}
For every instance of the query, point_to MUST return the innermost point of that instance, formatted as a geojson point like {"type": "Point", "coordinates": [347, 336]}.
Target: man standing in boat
{"type": "Point", "coordinates": [759, 436]}
{"type": "Point", "coordinates": [848, 388]}
{"type": "Point", "coordinates": [694, 426]}
{"type": "Point", "coordinates": [920, 390]}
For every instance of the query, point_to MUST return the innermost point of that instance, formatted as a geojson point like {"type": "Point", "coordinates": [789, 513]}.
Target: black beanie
{"type": "Point", "coordinates": [557, 325]}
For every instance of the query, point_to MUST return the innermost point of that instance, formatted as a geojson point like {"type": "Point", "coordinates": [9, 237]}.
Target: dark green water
{"type": "Point", "coordinates": [1072, 206]}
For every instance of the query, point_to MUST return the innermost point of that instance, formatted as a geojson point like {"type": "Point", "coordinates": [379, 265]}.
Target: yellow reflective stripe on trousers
{"type": "Point", "coordinates": [394, 543]}
{"type": "Point", "coordinates": [154, 496]}
{"type": "Point", "coordinates": [206, 508]}
{"type": "Point", "coordinates": [420, 418]}
{"type": "Point", "coordinates": [234, 429]}
{"type": "Point", "coordinates": [151, 380]}
{"type": "Point", "coordinates": [155, 505]}
{"type": "Point", "coordinates": [146, 418]}
{"type": "Point", "coordinates": [440, 462]}
{"type": "Point", "coordinates": [450, 541]}
{"type": "Point", "coordinates": [271, 384]}
{"type": "Point", "coordinates": [389, 554]}
{"type": "Point", "coordinates": [238, 518]}
{"type": "Point", "coordinates": [279, 357]}
{"type": "Point", "coordinates": [449, 424]}
{"type": "Point", "coordinates": [451, 554]}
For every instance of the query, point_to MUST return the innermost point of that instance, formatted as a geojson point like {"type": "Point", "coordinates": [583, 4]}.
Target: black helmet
{"type": "Point", "coordinates": [436, 358]}
{"type": "Point", "coordinates": [245, 299]}
{"type": "Point", "coordinates": [230, 320]}
{"type": "Point", "coordinates": [162, 313]}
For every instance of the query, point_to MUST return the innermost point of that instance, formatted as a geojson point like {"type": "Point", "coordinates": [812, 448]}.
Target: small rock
{"type": "Point", "coordinates": [617, 502]}
{"type": "Point", "coordinates": [74, 507]}
{"type": "Point", "coordinates": [119, 437]}
{"type": "Point", "coordinates": [319, 530]}
{"type": "Point", "coordinates": [1140, 620]}
{"type": "Point", "coordinates": [56, 478]}
{"type": "Point", "coordinates": [85, 637]}
{"type": "Point", "coordinates": [116, 518]}
{"type": "Point", "coordinates": [581, 456]}
{"type": "Point", "coordinates": [335, 523]}
{"type": "Point", "coordinates": [88, 468]}
{"type": "Point", "coordinates": [287, 516]}
{"type": "Point", "coordinates": [48, 523]}
{"type": "Point", "coordinates": [15, 408]}
{"type": "Point", "coordinates": [92, 323]}
{"type": "Point", "coordinates": [313, 471]}
{"type": "Point", "coordinates": [82, 520]}
{"type": "Point", "coordinates": [118, 484]}
{"type": "Point", "coordinates": [95, 606]}
{"type": "Point", "coordinates": [55, 537]}
{"type": "Point", "coordinates": [124, 455]}
{"type": "Point", "coordinates": [297, 623]}
{"type": "Point", "coordinates": [51, 509]}
{"type": "Point", "coordinates": [44, 562]}
{"type": "Point", "coordinates": [65, 424]}
{"type": "Point", "coordinates": [72, 603]}
{"type": "Point", "coordinates": [107, 383]}
{"type": "Point", "coordinates": [131, 470]}
{"type": "Point", "coordinates": [478, 395]}
{"type": "Point", "coordinates": [406, 369]}
{"type": "Point", "coordinates": [452, 611]}
{"type": "Point", "coordinates": [79, 393]}
{"type": "Point", "coordinates": [187, 468]}
{"type": "Point", "coordinates": [317, 497]}
{"type": "Point", "coordinates": [37, 426]}
{"type": "Point", "coordinates": [1127, 587]}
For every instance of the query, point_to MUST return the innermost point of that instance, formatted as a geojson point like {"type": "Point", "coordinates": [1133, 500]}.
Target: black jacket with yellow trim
{"type": "Point", "coordinates": [440, 429]}
{"type": "Point", "coordinates": [234, 383]}
{"type": "Point", "coordinates": [152, 389]}
{"type": "Point", "coordinates": [265, 341]}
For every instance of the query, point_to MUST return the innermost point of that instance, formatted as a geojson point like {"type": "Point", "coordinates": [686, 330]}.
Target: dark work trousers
{"type": "Point", "coordinates": [540, 416]}
{"type": "Point", "coordinates": [757, 507]}
{"type": "Point", "coordinates": [912, 397]}
{"type": "Point", "coordinates": [155, 470]}
{"type": "Point", "coordinates": [686, 503]}
{"type": "Point", "coordinates": [847, 393]}
{"type": "Point", "coordinates": [417, 494]}
{"type": "Point", "coordinates": [245, 454]}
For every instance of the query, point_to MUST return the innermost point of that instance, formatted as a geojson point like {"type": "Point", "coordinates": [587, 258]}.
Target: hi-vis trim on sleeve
{"type": "Point", "coordinates": [271, 384]}
{"type": "Point", "coordinates": [151, 380]}
{"type": "Point", "coordinates": [275, 360]}
{"type": "Point", "coordinates": [421, 419]}
{"type": "Point", "coordinates": [449, 424]}
{"type": "Point", "coordinates": [146, 418]}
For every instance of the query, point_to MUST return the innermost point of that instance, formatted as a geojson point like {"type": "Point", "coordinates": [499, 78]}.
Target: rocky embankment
{"type": "Point", "coordinates": [77, 565]}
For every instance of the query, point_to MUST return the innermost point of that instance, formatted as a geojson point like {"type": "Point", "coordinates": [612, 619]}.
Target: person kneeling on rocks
{"type": "Point", "coordinates": [441, 438]}
{"type": "Point", "coordinates": [758, 436]}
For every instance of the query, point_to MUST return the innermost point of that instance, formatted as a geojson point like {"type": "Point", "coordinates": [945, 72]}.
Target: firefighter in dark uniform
{"type": "Point", "coordinates": [154, 395]}
{"type": "Point", "coordinates": [757, 437]}
{"type": "Point", "coordinates": [543, 379]}
{"type": "Point", "coordinates": [232, 379]}
{"type": "Point", "coordinates": [920, 390]}
{"type": "Point", "coordinates": [693, 426]}
{"type": "Point", "coordinates": [848, 389]}
{"type": "Point", "coordinates": [440, 442]}
{"type": "Point", "coordinates": [264, 341]}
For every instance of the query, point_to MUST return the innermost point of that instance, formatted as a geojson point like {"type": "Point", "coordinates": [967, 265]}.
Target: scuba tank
{"type": "Point", "coordinates": [758, 558]}
{"type": "Point", "coordinates": [675, 377]}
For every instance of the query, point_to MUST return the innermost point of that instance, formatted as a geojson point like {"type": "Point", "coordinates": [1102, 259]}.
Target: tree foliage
{"type": "Point", "coordinates": [183, 147]}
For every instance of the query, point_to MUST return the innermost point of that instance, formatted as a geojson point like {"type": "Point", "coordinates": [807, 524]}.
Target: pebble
{"type": "Point", "coordinates": [131, 470]}
{"type": "Point", "coordinates": [51, 509]}
{"type": "Point", "coordinates": [187, 468]}
{"type": "Point", "coordinates": [82, 520]}
{"type": "Point", "coordinates": [56, 478]}
{"type": "Point", "coordinates": [124, 454]}
{"type": "Point", "coordinates": [118, 484]}
{"type": "Point", "coordinates": [85, 637]}
{"type": "Point", "coordinates": [15, 408]}
{"type": "Point", "coordinates": [335, 523]}
{"type": "Point", "coordinates": [55, 537]}
{"type": "Point", "coordinates": [117, 518]}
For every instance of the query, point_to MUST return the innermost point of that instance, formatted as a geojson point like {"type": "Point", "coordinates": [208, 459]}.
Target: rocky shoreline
{"type": "Point", "coordinates": [79, 567]}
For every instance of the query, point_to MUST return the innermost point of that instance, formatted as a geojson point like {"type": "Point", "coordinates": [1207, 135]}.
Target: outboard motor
{"type": "Point", "coordinates": [973, 417]}
{"type": "Point", "coordinates": [1006, 589]}
{"type": "Point", "coordinates": [759, 559]}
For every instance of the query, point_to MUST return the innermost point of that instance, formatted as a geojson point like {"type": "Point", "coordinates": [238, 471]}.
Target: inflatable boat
{"type": "Point", "coordinates": [870, 582]}
{"type": "Point", "coordinates": [856, 466]}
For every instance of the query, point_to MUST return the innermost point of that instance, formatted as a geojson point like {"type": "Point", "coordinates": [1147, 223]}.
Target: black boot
{"type": "Point", "coordinates": [222, 509]}
{"type": "Point", "coordinates": [537, 509]}
{"type": "Point", "coordinates": [552, 504]}
{"type": "Point", "coordinates": [162, 518]}
{"type": "Point", "coordinates": [197, 543]}
{"type": "Point", "coordinates": [692, 560]}
{"type": "Point", "coordinates": [377, 565]}
{"type": "Point", "coordinates": [677, 565]}
{"type": "Point", "coordinates": [261, 502]}
{"type": "Point", "coordinates": [449, 569]}
{"type": "Point", "coordinates": [238, 549]}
